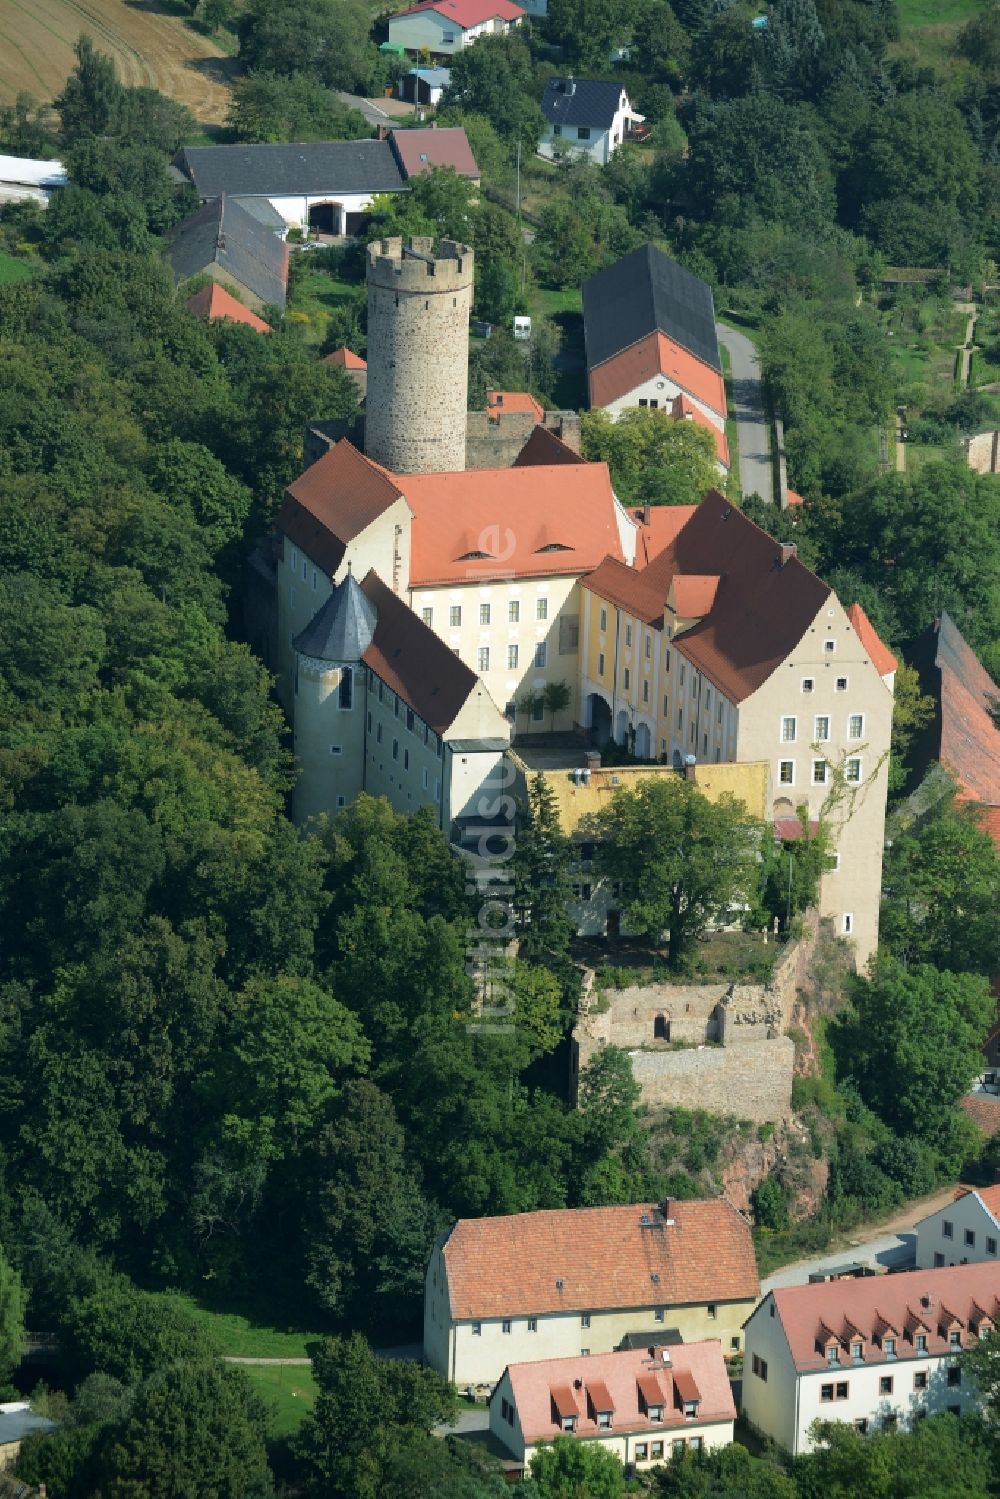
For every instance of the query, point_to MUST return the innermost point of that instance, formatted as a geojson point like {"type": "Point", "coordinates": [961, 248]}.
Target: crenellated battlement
{"type": "Point", "coordinates": [414, 266]}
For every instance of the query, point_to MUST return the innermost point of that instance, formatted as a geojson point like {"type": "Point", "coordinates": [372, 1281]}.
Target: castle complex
{"type": "Point", "coordinates": [420, 611]}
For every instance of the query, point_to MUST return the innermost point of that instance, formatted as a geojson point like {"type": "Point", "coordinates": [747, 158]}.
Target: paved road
{"type": "Point", "coordinates": [373, 110]}
{"type": "Point", "coordinates": [748, 410]}
{"type": "Point", "coordinates": [894, 1244]}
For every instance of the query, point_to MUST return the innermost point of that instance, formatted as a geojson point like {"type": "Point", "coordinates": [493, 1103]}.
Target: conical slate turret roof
{"type": "Point", "coordinates": [342, 630]}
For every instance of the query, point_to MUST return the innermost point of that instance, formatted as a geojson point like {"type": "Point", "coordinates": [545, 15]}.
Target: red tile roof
{"type": "Point", "coordinates": [989, 820]}
{"type": "Point", "coordinates": [214, 302]}
{"type": "Point", "coordinates": [333, 501]}
{"type": "Point", "coordinates": [882, 658]}
{"type": "Point", "coordinates": [693, 594]}
{"type": "Point", "coordinates": [465, 13]}
{"type": "Point", "coordinates": [790, 828]}
{"type": "Point", "coordinates": [346, 359]}
{"type": "Point", "coordinates": [651, 356]}
{"type": "Point", "coordinates": [588, 1259]}
{"type": "Point", "coordinates": [659, 525]}
{"type": "Point", "coordinates": [415, 662]}
{"type": "Point", "coordinates": [984, 1111]}
{"type": "Point", "coordinates": [543, 449]}
{"type": "Point", "coordinates": [762, 608]}
{"type": "Point", "coordinates": [420, 150]}
{"type": "Point", "coordinates": [499, 401]}
{"type": "Point", "coordinates": [989, 1196]}
{"type": "Point", "coordinates": [793, 498]}
{"type": "Point", "coordinates": [545, 1390]}
{"type": "Point", "coordinates": [970, 742]}
{"type": "Point", "coordinates": [685, 410]}
{"type": "Point", "coordinates": [497, 522]}
{"type": "Point", "coordinates": [884, 1305]}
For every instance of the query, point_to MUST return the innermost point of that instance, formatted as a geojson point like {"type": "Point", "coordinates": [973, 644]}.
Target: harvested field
{"type": "Point", "coordinates": [149, 43]}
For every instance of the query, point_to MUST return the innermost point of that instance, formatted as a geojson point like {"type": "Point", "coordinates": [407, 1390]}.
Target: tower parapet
{"type": "Point", "coordinates": [418, 352]}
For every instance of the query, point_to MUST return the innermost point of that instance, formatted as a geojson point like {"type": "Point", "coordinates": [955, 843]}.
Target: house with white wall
{"type": "Point", "coordinates": [878, 1353]}
{"type": "Point", "coordinates": [444, 27]}
{"type": "Point", "coordinates": [965, 1232]}
{"type": "Point", "coordinates": [646, 1406]}
{"type": "Point", "coordinates": [588, 116]}
{"type": "Point", "coordinates": [574, 1283]}
{"type": "Point", "coordinates": [651, 341]}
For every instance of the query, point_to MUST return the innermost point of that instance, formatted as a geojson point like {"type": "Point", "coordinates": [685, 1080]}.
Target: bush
{"type": "Point", "coordinates": [770, 1205]}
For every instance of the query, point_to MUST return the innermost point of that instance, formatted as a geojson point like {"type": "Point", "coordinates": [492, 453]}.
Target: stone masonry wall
{"type": "Point", "coordinates": [495, 441]}
{"type": "Point", "coordinates": [751, 1082]}
{"type": "Point", "coordinates": [418, 355]}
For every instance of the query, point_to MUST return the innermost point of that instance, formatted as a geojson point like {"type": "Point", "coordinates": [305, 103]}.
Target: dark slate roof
{"type": "Point", "coordinates": [261, 210]}
{"type": "Point", "coordinates": [642, 293]}
{"type": "Point", "coordinates": [287, 171]}
{"type": "Point", "coordinates": [343, 629]}
{"type": "Point", "coordinates": [222, 233]}
{"type": "Point", "coordinates": [581, 101]}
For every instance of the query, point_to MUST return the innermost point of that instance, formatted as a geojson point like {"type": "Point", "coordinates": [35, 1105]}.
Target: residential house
{"type": "Point", "coordinates": [353, 366]}
{"type": "Point", "coordinates": [232, 246]}
{"type": "Point", "coordinates": [877, 1353]}
{"type": "Point", "coordinates": [574, 1283]}
{"type": "Point", "coordinates": [962, 737]}
{"type": "Point", "coordinates": [214, 302]}
{"type": "Point", "coordinates": [965, 1232]}
{"type": "Point", "coordinates": [724, 647]}
{"type": "Point", "coordinates": [17, 1421]}
{"type": "Point", "coordinates": [588, 116]}
{"type": "Point", "coordinates": [444, 27]}
{"type": "Point", "coordinates": [326, 186]}
{"type": "Point", "coordinates": [650, 335]}
{"type": "Point", "coordinates": [424, 86]}
{"type": "Point", "coordinates": [644, 1405]}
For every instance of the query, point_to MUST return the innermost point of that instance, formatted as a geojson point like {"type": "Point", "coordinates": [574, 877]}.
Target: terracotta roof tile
{"type": "Point", "coordinates": [762, 609]}
{"type": "Point", "coordinates": [686, 1385]}
{"type": "Point", "coordinates": [655, 354]}
{"type": "Point", "coordinates": [544, 1390]}
{"type": "Point", "coordinates": [346, 359]}
{"type": "Point", "coordinates": [333, 501]}
{"type": "Point", "coordinates": [685, 410]}
{"type": "Point", "coordinates": [214, 302]}
{"type": "Point", "coordinates": [990, 1197]}
{"type": "Point", "coordinates": [984, 1110]}
{"type": "Point", "coordinates": [882, 658]}
{"type": "Point", "coordinates": [465, 13]}
{"type": "Point", "coordinates": [415, 662]}
{"type": "Point", "coordinates": [421, 150]}
{"type": "Point", "coordinates": [970, 743]}
{"type": "Point", "coordinates": [499, 401]}
{"type": "Point", "coordinates": [510, 515]}
{"type": "Point", "coordinates": [693, 594]}
{"type": "Point", "coordinates": [604, 1258]}
{"type": "Point", "coordinates": [880, 1306]}
{"type": "Point", "coordinates": [543, 449]}
{"type": "Point", "coordinates": [659, 524]}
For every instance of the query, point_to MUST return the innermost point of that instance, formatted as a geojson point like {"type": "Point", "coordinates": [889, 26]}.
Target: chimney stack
{"type": "Point", "coordinates": [593, 759]}
{"type": "Point", "coordinates": [788, 551]}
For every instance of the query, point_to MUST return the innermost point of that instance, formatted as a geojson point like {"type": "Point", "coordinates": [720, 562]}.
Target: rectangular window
{"type": "Point", "coordinates": [683, 673]}
{"type": "Point", "coordinates": [600, 664]}
{"type": "Point", "coordinates": [819, 772]}
{"type": "Point", "coordinates": [484, 614]}
{"type": "Point", "coordinates": [826, 1392]}
{"type": "Point", "coordinates": [889, 1347]}
{"type": "Point", "coordinates": [626, 679]}
{"type": "Point", "coordinates": [842, 1389]}
{"type": "Point", "coordinates": [841, 684]}
{"type": "Point", "coordinates": [991, 1246]}
{"type": "Point", "coordinates": [954, 1376]}
{"type": "Point", "coordinates": [856, 726]}
{"type": "Point", "coordinates": [542, 609]}
{"type": "Point", "coordinates": [477, 1329]}
{"type": "Point", "coordinates": [395, 749]}
{"type": "Point", "coordinates": [314, 580]}
{"type": "Point", "coordinates": [455, 616]}
{"type": "Point", "coordinates": [857, 1350]}
{"type": "Point", "coordinates": [954, 1339]}
{"type": "Point", "coordinates": [970, 1238]}
{"type": "Point", "coordinates": [658, 1314]}
{"type": "Point", "coordinates": [424, 778]}
{"type": "Point", "coordinates": [604, 620]}
{"type": "Point", "coordinates": [920, 1379]}
{"type": "Point", "coordinates": [710, 1311]}
{"type": "Point", "coordinates": [512, 658]}
{"type": "Point", "coordinates": [786, 772]}
{"type": "Point", "coordinates": [921, 1342]}
{"type": "Point", "coordinates": [948, 1228]}
{"type": "Point", "coordinates": [484, 658]}
{"type": "Point", "coordinates": [346, 693]}
{"type": "Point", "coordinates": [807, 684]}
{"type": "Point", "coordinates": [788, 730]}
{"type": "Point", "coordinates": [821, 728]}
{"type": "Point", "coordinates": [641, 1450]}
{"type": "Point", "coordinates": [604, 1420]}
{"type": "Point", "coordinates": [540, 653]}
{"type": "Point", "coordinates": [847, 926]}
{"type": "Point", "coordinates": [656, 1450]}
{"type": "Point", "coordinates": [885, 1384]}
{"type": "Point", "coordinates": [628, 634]}
{"type": "Point", "coordinates": [645, 692]}
{"type": "Point", "coordinates": [648, 647]}
{"type": "Point", "coordinates": [852, 769]}
{"type": "Point", "coordinates": [829, 646]}
{"type": "Point", "coordinates": [336, 749]}
{"type": "Point", "coordinates": [585, 1319]}
{"type": "Point", "coordinates": [861, 1426]}
{"type": "Point", "coordinates": [532, 1324]}
{"type": "Point", "coordinates": [538, 711]}
{"type": "Point", "coordinates": [680, 719]}
{"type": "Point", "coordinates": [514, 611]}
{"type": "Point", "coordinates": [696, 1444]}
{"type": "Point", "coordinates": [583, 132]}
{"type": "Point", "coordinates": [506, 1325]}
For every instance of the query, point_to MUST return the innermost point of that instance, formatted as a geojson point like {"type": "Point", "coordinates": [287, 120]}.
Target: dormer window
{"type": "Point", "coordinates": [690, 1410]}
{"type": "Point", "coordinates": [604, 1420]}
{"type": "Point", "coordinates": [921, 1342]}
{"type": "Point", "coordinates": [655, 1412]}
{"type": "Point", "coordinates": [857, 1350]}
{"type": "Point", "coordinates": [569, 1423]}
{"type": "Point", "coordinates": [889, 1347]}
{"type": "Point", "coordinates": [954, 1339]}
{"type": "Point", "coordinates": [833, 1353]}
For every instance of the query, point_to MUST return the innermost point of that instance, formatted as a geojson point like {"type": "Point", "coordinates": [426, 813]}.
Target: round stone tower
{"type": "Point", "coordinates": [418, 354]}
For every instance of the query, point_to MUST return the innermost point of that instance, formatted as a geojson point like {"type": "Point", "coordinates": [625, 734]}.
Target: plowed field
{"type": "Point", "coordinates": [149, 45]}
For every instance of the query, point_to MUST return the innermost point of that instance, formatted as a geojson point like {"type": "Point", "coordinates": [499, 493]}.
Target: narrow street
{"type": "Point", "coordinates": [748, 412]}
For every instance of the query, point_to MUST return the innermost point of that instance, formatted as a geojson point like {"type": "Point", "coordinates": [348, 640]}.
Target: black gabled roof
{"type": "Point", "coordinates": [642, 293]}
{"type": "Point", "coordinates": [581, 101]}
{"type": "Point", "coordinates": [343, 629]}
{"type": "Point", "coordinates": [274, 171]}
{"type": "Point", "coordinates": [222, 233]}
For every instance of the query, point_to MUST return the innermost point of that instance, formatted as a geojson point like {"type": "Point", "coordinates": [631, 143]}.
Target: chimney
{"type": "Point", "coordinates": [788, 551]}
{"type": "Point", "coordinates": [593, 759]}
{"type": "Point", "coordinates": [690, 762]}
{"type": "Point", "coordinates": [381, 132]}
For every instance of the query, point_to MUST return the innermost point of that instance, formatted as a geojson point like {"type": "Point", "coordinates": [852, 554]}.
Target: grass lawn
{"type": "Point", "coordinates": [918, 13]}
{"type": "Point", "coordinates": [928, 29]}
{"type": "Point", "coordinates": [920, 453]}
{"type": "Point", "coordinates": [565, 299]}
{"type": "Point", "coordinates": [314, 295]}
{"type": "Point", "coordinates": [243, 1338]}
{"type": "Point", "coordinates": [12, 269]}
{"type": "Point", "coordinates": [289, 1392]}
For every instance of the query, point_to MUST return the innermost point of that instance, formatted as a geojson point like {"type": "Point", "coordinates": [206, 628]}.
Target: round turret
{"type": "Point", "coordinates": [418, 354]}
